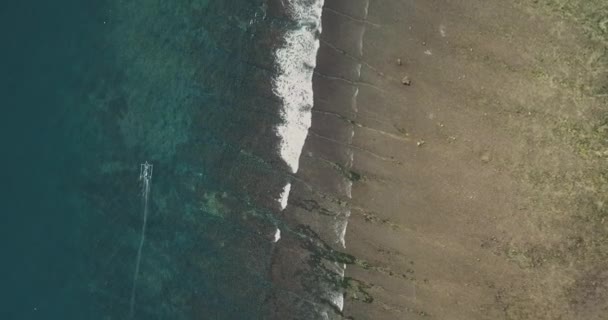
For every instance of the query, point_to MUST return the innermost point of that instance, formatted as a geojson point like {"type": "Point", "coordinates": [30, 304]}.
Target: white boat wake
{"type": "Point", "coordinates": [145, 176]}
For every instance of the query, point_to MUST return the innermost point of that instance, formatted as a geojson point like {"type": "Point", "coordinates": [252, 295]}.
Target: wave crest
{"type": "Point", "coordinates": [296, 61]}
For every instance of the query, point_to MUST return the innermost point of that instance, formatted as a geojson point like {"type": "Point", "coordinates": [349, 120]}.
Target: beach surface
{"type": "Point", "coordinates": [473, 135]}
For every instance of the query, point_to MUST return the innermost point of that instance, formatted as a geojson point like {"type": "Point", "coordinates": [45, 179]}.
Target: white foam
{"type": "Point", "coordinates": [338, 300]}
{"type": "Point", "coordinates": [296, 61]}
{"type": "Point", "coordinates": [285, 196]}
{"type": "Point", "coordinates": [277, 235]}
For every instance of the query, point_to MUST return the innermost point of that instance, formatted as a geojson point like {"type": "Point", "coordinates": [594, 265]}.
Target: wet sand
{"type": "Point", "coordinates": [478, 190]}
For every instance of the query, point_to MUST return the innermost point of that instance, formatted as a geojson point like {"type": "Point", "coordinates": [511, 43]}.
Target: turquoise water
{"type": "Point", "coordinates": [91, 90]}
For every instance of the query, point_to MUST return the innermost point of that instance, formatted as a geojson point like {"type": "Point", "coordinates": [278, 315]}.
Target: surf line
{"type": "Point", "coordinates": [296, 60]}
{"type": "Point", "coordinates": [145, 176]}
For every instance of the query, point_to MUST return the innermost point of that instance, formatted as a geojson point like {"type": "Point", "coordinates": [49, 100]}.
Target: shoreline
{"type": "Point", "coordinates": [475, 190]}
{"type": "Point", "coordinates": [308, 264]}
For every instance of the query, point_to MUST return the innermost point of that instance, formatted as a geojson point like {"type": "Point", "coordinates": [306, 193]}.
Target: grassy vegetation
{"type": "Point", "coordinates": [566, 168]}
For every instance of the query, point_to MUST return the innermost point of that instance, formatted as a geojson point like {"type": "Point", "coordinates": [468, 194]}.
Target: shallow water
{"type": "Point", "coordinates": [91, 91]}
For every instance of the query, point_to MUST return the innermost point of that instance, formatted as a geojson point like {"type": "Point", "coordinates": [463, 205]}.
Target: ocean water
{"type": "Point", "coordinates": [200, 89]}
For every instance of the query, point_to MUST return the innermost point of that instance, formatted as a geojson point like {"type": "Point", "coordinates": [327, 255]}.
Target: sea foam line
{"type": "Point", "coordinates": [296, 62]}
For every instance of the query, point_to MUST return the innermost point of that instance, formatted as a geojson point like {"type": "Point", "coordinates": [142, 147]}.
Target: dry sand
{"type": "Point", "coordinates": [478, 190]}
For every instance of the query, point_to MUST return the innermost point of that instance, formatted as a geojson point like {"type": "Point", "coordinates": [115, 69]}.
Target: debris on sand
{"type": "Point", "coordinates": [399, 61]}
{"type": "Point", "coordinates": [406, 81]}
{"type": "Point", "coordinates": [420, 143]}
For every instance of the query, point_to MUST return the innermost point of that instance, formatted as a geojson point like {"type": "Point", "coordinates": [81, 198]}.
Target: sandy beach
{"type": "Point", "coordinates": [478, 186]}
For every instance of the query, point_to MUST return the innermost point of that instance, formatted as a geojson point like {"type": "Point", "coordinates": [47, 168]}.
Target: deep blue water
{"type": "Point", "coordinates": [91, 89]}
{"type": "Point", "coordinates": [40, 55]}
